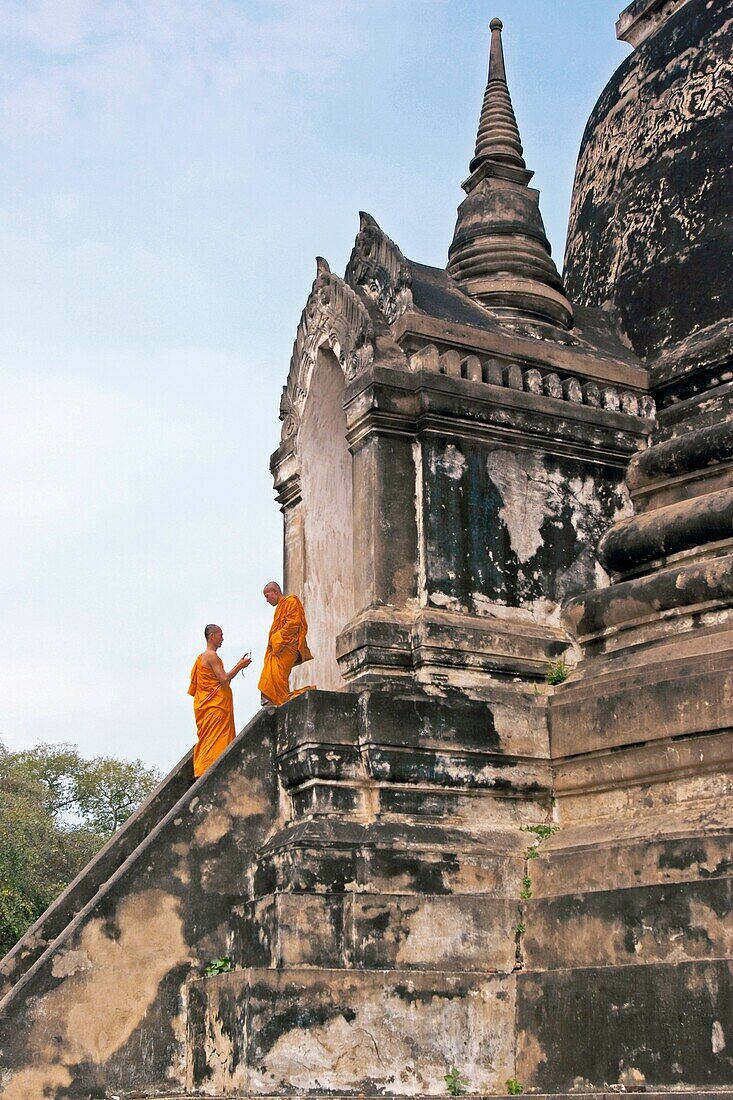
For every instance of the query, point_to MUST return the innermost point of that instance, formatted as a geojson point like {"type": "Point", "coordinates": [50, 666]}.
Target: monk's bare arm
{"type": "Point", "coordinates": [214, 662]}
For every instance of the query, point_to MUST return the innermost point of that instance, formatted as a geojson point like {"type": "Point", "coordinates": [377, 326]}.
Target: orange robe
{"type": "Point", "coordinates": [286, 647]}
{"type": "Point", "coordinates": [213, 707]}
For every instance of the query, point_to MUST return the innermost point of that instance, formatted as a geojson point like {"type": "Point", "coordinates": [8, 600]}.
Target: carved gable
{"type": "Point", "coordinates": [377, 265]}
{"type": "Point", "coordinates": [335, 316]}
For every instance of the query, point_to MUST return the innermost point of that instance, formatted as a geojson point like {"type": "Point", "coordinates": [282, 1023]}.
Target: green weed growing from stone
{"type": "Point", "coordinates": [526, 891]}
{"type": "Point", "coordinates": [542, 832]}
{"type": "Point", "coordinates": [219, 966]}
{"type": "Point", "coordinates": [521, 929]}
{"type": "Point", "coordinates": [556, 672]}
{"type": "Point", "coordinates": [513, 1087]}
{"type": "Point", "coordinates": [456, 1085]}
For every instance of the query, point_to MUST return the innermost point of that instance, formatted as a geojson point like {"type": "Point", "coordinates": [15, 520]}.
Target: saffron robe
{"type": "Point", "coordinates": [213, 708]}
{"type": "Point", "coordinates": [286, 647]}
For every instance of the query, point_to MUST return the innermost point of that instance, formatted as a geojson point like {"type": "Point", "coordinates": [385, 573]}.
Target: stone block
{"type": "Point", "coordinates": [264, 1032]}
{"type": "Point", "coordinates": [673, 923]}
{"type": "Point", "coordinates": [513, 377]}
{"type": "Point", "coordinates": [494, 373]}
{"type": "Point", "coordinates": [572, 390]}
{"type": "Point", "coordinates": [671, 1023]}
{"type": "Point", "coordinates": [448, 932]}
{"type": "Point", "coordinates": [450, 363]}
{"type": "Point", "coordinates": [552, 387]}
{"type": "Point", "coordinates": [471, 368]}
{"type": "Point", "coordinates": [427, 358]}
{"type": "Point", "coordinates": [610, 399]}
{"type": "Point", "coordinates": [532, 380]}
{"type": "Point", "coordinates": [592, 395]}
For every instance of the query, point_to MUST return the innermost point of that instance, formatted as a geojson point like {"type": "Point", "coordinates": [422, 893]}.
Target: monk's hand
{"type": "Point", "coordinates": [246, 661]}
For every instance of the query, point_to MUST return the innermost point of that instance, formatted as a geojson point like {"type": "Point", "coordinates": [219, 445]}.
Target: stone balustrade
{"type": "Point", "coordinates": [517, 376]}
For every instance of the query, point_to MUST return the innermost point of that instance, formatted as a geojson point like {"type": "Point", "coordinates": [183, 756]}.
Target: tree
{"type": "Point", "coordinates": [56, 811]}
{"type": "Point", "coordinates": [106, 791]}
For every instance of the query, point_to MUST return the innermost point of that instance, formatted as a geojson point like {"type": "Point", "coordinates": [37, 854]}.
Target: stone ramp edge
{"type": "Point", "coordinates": [103, 885]}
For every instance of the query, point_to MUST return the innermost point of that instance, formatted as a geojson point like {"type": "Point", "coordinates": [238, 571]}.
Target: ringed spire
{"type": "Point", "coordinates": [500, 254]}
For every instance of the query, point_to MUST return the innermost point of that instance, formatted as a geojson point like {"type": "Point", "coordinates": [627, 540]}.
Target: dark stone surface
{"type": "Point", "coordinates": [668, 530]}
{"type": "Point", "coordinates": [593, 1023]}
{"type": "Point", "coordinates": [476, 527]}
{"type": "Point", "coordinates": [649, 232]}
{"type": "Point", "coordinates": [674, 922]}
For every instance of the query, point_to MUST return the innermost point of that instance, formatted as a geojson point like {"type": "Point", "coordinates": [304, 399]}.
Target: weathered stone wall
{"type": "Point", "coordinates": [512, 528]}
{"type": "Point", "coordinates": [326, 583]}
{"type": "Point", "coordinates": [104, 1007]}
{"type": "Point", "coordinates": [451, 862]}
{"type": "Point", "coordinates": [650, 233]}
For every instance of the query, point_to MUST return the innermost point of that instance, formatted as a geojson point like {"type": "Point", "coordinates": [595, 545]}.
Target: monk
{"type": "Point", "coordinates": [213, 705]}
{"type": "Point", "coordinates": [286, 647]}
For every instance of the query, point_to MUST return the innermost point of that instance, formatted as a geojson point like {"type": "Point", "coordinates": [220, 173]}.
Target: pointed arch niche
{"type": "Point", "coordinates": [319, 543]}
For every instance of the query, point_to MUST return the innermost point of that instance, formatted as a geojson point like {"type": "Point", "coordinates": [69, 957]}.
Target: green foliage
{"type": "Point", "coordinates": [106, 791]}
{"type": "Point", "coordinates": [530, 853]}
{"type": "Point", "coordinates": [456, 1085]}
{"type": "Point", "coordinates": [56, 811]}
{"type": "Point", "coordinates": [222, 965]}
{"type": "Point", "coordinates": [542, 832]}
{"type": "Point", "coordinates": [556, 672]}
{"type": "Point", "coordinates": [526, 891]}
{"type": "Point", "coordinates": [513, 1087]}
{"type": "Point", "coordinates": [521, 929]}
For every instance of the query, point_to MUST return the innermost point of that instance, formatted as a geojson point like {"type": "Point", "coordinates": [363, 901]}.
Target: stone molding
{"type": "Point", "coordinates": [335, 316]}
{"type": "Point", "coordinates": [643, 18]}
{"type": "Point", "coordinates": [641, 540]}
{"type": "Point", "coordinates": [426, 639]}
{"type": "Point", "coordinates": [680, 589]}
{"type": "Point", "coordinates": [378, 266]}
{"type": "Point", "coordinates": [515, 341]}
{"type": "Point", "coordinates": [413, 403]}
{"type": "Point", "coordinates": [532, 380]}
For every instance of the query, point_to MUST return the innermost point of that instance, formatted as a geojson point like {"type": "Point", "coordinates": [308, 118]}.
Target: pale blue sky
{"type": "Point", "coordinates": [168, 171]}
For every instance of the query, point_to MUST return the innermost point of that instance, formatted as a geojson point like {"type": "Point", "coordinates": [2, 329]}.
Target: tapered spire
{"type": "Point", "coordinates": [500, 254]}
{"type": "Point", "coordinates": [498, 134]}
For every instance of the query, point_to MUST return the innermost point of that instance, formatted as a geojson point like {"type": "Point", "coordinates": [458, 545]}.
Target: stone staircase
{"type": "Point", "coordinates": [364, 861]}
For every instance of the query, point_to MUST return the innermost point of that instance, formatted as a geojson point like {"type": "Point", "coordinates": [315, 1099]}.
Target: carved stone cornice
{"type": "Point", "coordinates": [377, 265]}
{"type": "Point", "coordinates": [335, 316]}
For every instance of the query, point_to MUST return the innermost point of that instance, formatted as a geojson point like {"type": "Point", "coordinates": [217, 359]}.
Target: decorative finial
{"type": "Point", "coordinates": [500, 254]}
{"type": "Point", "coordinates": [322, 267]}
{"type": "Point", "coordinates": [496, 52]}
{"type": "Point", "coordinates": [498, 136]}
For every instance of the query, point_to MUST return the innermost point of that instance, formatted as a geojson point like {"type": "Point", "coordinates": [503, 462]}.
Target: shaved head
{"type": "Point", "coordinates": [273, 593]}
{"type": "Point", "coordinates": [209, 630]}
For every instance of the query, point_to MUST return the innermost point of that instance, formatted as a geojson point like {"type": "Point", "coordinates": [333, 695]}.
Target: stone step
{"type": "Point", "coordinates": [602, 1094]}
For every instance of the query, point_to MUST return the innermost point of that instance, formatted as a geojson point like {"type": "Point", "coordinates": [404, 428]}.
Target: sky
{"type": "Point", "coordinates": [169, 169]}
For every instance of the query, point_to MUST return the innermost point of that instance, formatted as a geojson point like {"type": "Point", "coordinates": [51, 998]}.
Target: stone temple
{"type": "Point", "coordinates": [437, 859]}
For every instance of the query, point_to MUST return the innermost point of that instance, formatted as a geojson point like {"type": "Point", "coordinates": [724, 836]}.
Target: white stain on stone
{"type": "Point", "coordinates": [522, 485]}
{"type": "Point", "coordinates": [441, 599]}
{"type": "Point", "coordinates": [541, 610]}
{"type": "Point", "coordinates": [70, 963]}
{"type": "Point", "coordinates": [718, 1037]}
{"type": "Point", "coordinates": [452, 463]}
